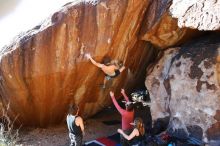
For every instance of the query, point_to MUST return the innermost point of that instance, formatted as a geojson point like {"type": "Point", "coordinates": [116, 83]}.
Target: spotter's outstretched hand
{"type": "Point", "coordinates": [122, 91]}
{"type": "Point", "coordinates": [111, 94]}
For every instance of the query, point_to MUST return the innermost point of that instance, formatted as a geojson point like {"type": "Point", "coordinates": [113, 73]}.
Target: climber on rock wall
{"type": "Point", "coordinates": [111, 69]}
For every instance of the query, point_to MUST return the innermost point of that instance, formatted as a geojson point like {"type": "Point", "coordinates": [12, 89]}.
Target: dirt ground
{"type": "Point", "coordinates": [58, 135]}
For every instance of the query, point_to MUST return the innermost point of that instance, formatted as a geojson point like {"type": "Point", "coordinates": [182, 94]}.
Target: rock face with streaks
{"type": "Point", "coordinates": [197, 14]}
{"type": "Point", "coordinates": [45, 68]}
{"type": "Point", "coordinates": [185, 83]}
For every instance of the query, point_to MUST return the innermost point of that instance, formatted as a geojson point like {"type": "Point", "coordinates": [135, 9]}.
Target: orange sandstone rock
{"type": "Point", "coordinates": [45, 68]}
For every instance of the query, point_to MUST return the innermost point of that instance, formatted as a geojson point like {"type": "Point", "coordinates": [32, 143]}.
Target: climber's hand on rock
{"type": "Point", "coordinates": [88, 56]}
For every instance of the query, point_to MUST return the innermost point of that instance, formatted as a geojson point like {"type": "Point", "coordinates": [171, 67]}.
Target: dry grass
{"type": "Point", "coordinates": [8, 134]}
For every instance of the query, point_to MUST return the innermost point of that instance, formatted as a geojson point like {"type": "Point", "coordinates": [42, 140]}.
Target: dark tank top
{"type": "Point", "coordinates": [76, 130]}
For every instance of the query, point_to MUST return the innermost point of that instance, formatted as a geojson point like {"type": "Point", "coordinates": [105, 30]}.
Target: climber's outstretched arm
{"type": "Point", "coordinates": [93, 61]}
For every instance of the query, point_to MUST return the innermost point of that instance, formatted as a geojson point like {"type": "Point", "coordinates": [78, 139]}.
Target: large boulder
{"type": "Point", "coordinates": [45, 68]}
{"type": "Point", "coordinates": [197, 14]}
{"type": "Point", "coordinates": [184, 83]}
{"type": "Point", "coordinates": [159, 28]}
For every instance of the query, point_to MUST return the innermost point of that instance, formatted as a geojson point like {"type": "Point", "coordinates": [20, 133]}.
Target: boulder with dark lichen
{"type": "Point", "coordinates": [184, 83]}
